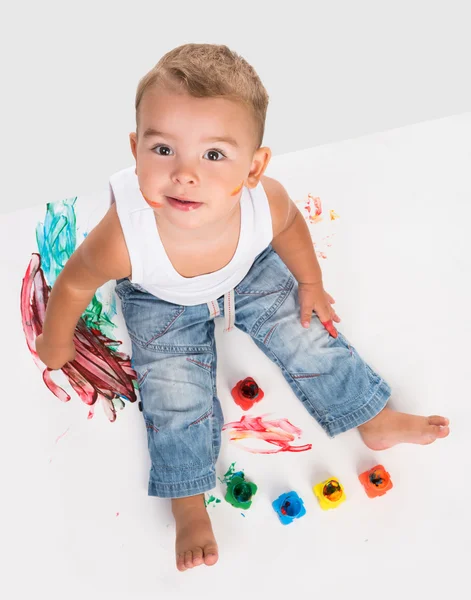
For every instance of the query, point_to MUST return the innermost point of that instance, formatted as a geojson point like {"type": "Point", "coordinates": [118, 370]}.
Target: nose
{"type": "Point", "coordinates": [184, 174]}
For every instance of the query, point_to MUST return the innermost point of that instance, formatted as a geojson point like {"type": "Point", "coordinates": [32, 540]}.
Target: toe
{"type": "Point", "coordinates": [436, 420]}
{"type": "Point", "coordinates": [188, 559]}
{"type": "Point", "coordinates": [181, 562]}
{"type": "Point", "coordinates": [197, 557]}
{"type": "Point", "coordinates": [210, 555]}
{"type": "Point", "coordinates": [436, 431]}
{"type": "Point", "coordinates": [444, 431]}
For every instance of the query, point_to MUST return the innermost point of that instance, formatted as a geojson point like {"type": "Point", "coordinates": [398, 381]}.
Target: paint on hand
{"type": "Point", "coordinates": [280, 433]}
{"type": "Point", "coordinates": [237, 190]}
{"type": "Point", "coordinates": [99, 371]}
{"type": "Point", "coordinates": [330, 328]}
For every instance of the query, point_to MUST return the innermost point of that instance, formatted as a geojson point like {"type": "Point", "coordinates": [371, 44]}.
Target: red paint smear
{"type": "Point", "coordinates": [62, 434]}
{"type": "Point", "coordinates": [97, 371]}
{"type": "Point", "coordinates": [278, 432]}
{"type": "Point", "coordinates": [313, 205]}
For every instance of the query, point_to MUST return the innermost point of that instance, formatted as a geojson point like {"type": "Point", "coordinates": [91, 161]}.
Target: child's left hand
{"type": "Point", "coordinates": [313, 298]}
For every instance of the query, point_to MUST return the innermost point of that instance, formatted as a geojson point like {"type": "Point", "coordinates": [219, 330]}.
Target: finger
{"type": "Point", "coordinates": [331, 300]}
{"type": "Point", "coordinates": [306, 314]}
{"type": "Point", "coordinates": [336, 318]}
{"type": "Point", "coordinates": [330, 328]}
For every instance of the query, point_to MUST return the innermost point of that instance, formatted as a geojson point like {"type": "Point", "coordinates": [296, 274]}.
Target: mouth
{"type": "Point", "coordinates": [183, 203]}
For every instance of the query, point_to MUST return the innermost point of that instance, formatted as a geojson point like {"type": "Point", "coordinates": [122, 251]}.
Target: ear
{"type": "Point", "coordinates": [133, 142]}
{"type": "Point", "coordinates": [260, 161]}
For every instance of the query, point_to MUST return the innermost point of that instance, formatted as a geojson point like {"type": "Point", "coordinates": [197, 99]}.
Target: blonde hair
{"type": "Point", "coordinates": [209, 71]}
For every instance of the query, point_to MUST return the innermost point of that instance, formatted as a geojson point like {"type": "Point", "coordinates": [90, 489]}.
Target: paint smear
{"type": "Point", "coordinates": [312, 212]}
{"type": "Point", "coordinates": [99, 371]}
{"type": "Point", "coordinates": [280, 433]}
{"type": "Point", "coordinates": [230, 474]}
{"type": "Point", "coordinates": [62, 435]}
{"type": "Point", "coordinates": [212, 500]}
{"type": "Point", "coordinates": [313, 208]}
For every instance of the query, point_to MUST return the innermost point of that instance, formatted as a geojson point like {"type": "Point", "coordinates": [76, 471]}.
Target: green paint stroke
{"type": "Point", "coordinates": [57, 240]}
{"type": "Point", "coordinates": [231, 473]}
{"type": "Point", "coordinates": [211, 500]}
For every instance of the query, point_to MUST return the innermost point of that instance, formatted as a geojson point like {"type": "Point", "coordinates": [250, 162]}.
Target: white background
{"type": "Point", "coordinates": [399, 269]}
{"type": "Point", "coordinates": [333, 70]}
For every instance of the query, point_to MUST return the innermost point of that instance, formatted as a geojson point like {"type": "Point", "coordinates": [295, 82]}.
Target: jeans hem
{"type": "Point", "coordinates": [375, 405]}
{"type": "Point", "coordinates": [182, 489]}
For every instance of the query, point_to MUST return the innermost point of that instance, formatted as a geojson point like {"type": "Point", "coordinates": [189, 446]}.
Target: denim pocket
{"type": "Point", "coordinates": [268, 275]}
{"type": "Point", "coordinates": [147, 317]}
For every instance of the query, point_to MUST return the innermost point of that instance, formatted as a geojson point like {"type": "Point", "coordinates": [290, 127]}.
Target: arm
{"type": "Point", "coordinates": [102, 256]}
{"type": "Point", "coordinates": [292, 242]}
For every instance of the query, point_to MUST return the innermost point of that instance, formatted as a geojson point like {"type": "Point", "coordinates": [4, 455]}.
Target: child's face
{"type": "Point", "coordinates": [178, 154]}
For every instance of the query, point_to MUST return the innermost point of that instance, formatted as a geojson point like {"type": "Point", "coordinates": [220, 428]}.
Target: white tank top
{"type": "Point", "coordinates": [151, 267]}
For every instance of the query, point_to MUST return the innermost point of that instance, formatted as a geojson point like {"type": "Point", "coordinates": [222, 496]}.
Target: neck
{"type": "Point", "coordinates": [210, 233]}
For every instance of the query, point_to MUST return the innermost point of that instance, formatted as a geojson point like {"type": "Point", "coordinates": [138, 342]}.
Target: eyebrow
{"type": "Point", "coordinates": [150, 132]}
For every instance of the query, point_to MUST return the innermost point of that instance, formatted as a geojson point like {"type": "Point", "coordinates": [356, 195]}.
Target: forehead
{"type": "Point", "coordinates": [180, 113]}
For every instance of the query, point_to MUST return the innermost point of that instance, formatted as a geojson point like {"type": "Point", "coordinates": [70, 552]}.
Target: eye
{"type": "Point", "coordinates": [162, 150]}
{"type": "Point", "coordinates": [212, 154]}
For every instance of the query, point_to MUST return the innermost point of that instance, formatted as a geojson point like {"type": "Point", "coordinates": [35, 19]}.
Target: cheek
{"type": "Point", "coordinates": [151, 189]}
{"type": "Point", "coordinates": [237, 190]}
{"type": "Point", "coordinates": [151, 203]}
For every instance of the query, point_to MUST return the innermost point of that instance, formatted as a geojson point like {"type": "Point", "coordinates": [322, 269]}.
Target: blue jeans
{"type": "Point", "coordinates": [174, 355]}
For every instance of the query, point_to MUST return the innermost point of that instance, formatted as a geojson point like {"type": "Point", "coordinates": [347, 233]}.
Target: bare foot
{"type": "Point", "coordinates": [389, 428]}
{"type": "Point", "coordinates": [195, 544]}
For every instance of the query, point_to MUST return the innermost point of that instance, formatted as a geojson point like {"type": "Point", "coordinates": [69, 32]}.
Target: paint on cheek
{"type": "Point", "coordinates": [151, 202]}
{"type": "Point", "coordinates": [237, 190]}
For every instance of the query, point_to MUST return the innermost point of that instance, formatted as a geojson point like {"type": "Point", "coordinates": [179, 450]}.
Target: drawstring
{"type": "Point", "coordinates": [229, 310]}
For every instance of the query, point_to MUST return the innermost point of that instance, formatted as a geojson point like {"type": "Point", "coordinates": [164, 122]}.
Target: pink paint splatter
{"type": "Point", "coordinates": [62, 435]}
{"type": "Point", "coordinates": [279, 432]}
{"type": "Point", "coordinates": [98, 372]}
{"type": "Point", "coordinates": [117, 514]}
{"type": "Point", "coordinates": [313, 208]}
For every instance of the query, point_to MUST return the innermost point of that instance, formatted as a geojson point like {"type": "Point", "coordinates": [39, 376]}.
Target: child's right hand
{"type": "Point", "coordinates": [54, 356]}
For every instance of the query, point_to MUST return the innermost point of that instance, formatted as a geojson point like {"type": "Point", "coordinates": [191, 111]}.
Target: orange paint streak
{"type": "Point", "coordinates": [237, 190]}
{"type": "Point", "coordinates": [151, 202]}
{"type": "Point", "coordinates": [333, 215]}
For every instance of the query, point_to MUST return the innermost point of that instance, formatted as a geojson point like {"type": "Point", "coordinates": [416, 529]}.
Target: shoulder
{"type": "Point", "coordinates": [282, 208]}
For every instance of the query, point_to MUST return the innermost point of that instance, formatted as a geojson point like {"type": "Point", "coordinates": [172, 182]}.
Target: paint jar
{"type": "Point", "coordinates": [376, 481]}
{"type": "Point", "coordinates": [249, 389]}
{"type": "Point", "coordinates": [329, 493]}
{"type": "Point", "coordinates": [289, 507]}
{"type": "Point", "coordinates": [292, 508]}
{"type": "Point", "coordinates": [242, 492]}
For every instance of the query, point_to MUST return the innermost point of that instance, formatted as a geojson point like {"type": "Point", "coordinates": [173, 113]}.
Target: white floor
{"type": "Point", "coordinates": [399, 266]}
